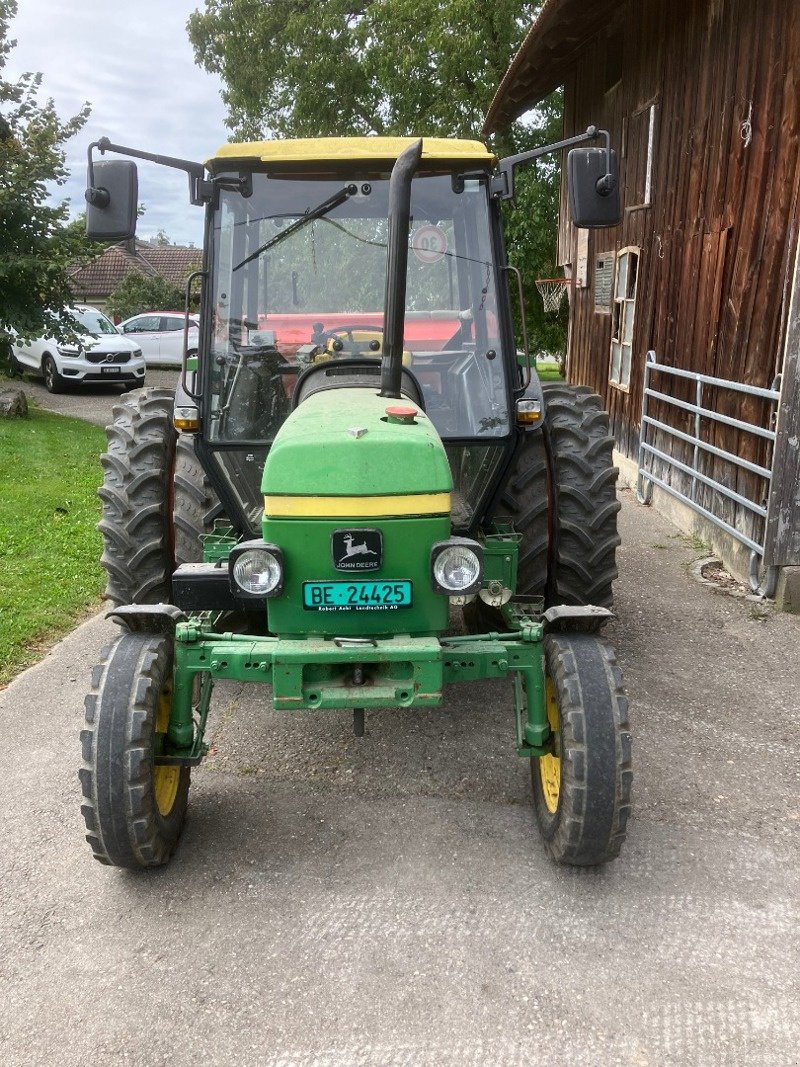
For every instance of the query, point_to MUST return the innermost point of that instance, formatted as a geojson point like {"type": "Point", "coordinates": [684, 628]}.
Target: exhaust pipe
{"type": "Point", "coordinates": [394, 306]}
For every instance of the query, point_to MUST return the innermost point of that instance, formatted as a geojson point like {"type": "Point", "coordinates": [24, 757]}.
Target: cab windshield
{"type": "Point", "coordinates": [299, 271]}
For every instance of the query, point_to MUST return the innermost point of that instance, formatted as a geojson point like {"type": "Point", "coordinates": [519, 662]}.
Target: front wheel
{"type": "Point", "coordinates": [53, 382]}
{"type": "Point", "coordinates": [582, 791]}
{"type": "Point", "coordinates": [134, 809]}
{"type": "Point", "coordinates": [15, 367]}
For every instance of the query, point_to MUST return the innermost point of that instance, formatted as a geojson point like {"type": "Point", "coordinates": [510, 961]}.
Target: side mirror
{"type": "Point", "coordinates": [593, 179]}
{"type": "Point", "coordinates": [112, 200]}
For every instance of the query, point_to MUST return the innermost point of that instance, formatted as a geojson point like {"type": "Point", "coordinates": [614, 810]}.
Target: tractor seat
{"type": "Point", "coordinates": [352, 374]}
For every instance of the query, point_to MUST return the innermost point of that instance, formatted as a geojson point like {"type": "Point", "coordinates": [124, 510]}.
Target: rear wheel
{"type": "Point", "coordinates": [568, 520]}
{"type": "Point", "coordinates": [585, 479]}
{"type": "Point", "coordinates": [134, 809]}
{"type": "Point", "coordinates": [156, 500]}
{"type": "Point", "coordinates": [582, 791]}
{"type": "Point", "coordinates": [525, 502]}
{"type": "Point", "coordinates": [53, 381]}
{"type": "Point", "coordinates": [194, 503]}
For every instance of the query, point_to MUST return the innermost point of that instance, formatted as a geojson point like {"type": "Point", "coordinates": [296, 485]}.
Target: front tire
{"type": "Point", "coordinates": [16, 369]}
{"type": "Point", "coordinates": [582, 792]}
{"type": "Point", "coordinates": [134, 810]}
{"type": "Point", "coordinates": [53, 382]}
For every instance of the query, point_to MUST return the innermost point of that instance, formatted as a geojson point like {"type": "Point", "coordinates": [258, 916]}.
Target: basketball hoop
{"type": "Point", "coordinates": [553, 291]}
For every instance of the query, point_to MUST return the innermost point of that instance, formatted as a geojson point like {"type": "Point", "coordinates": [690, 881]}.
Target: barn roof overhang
{"type": "Point", "coordinates": [550, 48]}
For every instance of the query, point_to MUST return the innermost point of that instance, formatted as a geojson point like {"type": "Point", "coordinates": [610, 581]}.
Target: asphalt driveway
{"type": "Point", "coordinates": [386, 900]}
{"type": "Point", "coordinates": [94, 403]}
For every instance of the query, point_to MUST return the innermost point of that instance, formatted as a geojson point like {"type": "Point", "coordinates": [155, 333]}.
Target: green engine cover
{"type": "Point", "coordinates": [341, 466]}
{"type": "Point", "coordinates": [340, 442]}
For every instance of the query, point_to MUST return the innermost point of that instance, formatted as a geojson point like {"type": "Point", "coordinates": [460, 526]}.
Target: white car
{"type": "Point", "coordinates": [101, 356]}
{"type": "Point", "coordinates": [160, 336]}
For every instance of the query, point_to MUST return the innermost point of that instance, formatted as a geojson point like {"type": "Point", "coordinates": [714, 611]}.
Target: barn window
{"type": "Point", "coordinates": [626, 281]}
{"type": "Point", "coordinates": [604, 283]}
{"type": "Point", "coordinates": [639, 151]}
{"type": "Point", "coordinates": [615, 56]}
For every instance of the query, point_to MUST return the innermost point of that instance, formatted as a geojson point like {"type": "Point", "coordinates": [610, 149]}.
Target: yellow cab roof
{"type": "Point", "coordinates": [337, 151]}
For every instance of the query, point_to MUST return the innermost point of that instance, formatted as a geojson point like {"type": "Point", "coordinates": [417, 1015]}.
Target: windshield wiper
{"type": "Point", "coordinates": [312, 214]}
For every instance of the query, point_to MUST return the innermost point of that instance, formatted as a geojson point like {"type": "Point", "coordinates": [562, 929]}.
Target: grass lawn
{"type": "Point", "coordinates": [548, 372]}
{"type": "Point", "coordinates": [49, 548]}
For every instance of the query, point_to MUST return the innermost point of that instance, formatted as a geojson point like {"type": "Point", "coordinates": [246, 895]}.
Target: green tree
{"type": "Point", "coordinates": [531, 223]}
{"type": "Point", "coordinates": [37, 245]}
{"type": "Point", "coordinates": [139, 292]}
{"type": "Point", "coordinates": [389, 67]}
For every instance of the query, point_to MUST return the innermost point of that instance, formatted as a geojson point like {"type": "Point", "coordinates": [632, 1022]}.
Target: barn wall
{"type": "Point", "coordinates": [717, 241]}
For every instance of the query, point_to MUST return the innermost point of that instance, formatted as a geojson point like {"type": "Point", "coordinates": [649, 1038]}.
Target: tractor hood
{"type": "Point", "coordinates": [342, 445]}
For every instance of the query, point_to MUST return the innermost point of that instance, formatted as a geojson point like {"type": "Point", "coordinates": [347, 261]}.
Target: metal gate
{"type": "Point", "coordinates": [702, 415]}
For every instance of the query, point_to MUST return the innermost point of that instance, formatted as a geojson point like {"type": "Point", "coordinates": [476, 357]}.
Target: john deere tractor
{"type": "Point", "coordinates": [358, 449]}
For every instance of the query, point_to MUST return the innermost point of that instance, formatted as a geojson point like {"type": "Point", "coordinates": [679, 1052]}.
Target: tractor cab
{"type": "Point", "coordinates": [295, 294]}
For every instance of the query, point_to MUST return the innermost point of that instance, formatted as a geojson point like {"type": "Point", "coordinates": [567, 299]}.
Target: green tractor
{"type": "Point", "coordinates": [357, 449]}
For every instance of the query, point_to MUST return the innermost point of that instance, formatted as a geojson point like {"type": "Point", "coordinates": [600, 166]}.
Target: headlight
{"type": "Point", "coordinates": [71, 351]}
{"type": "Point", "coordinates": [256, 570]}
{"type": "Point", "coordinates": [136, 353]}
{"type": "Point", "coordinates": [457, 566]}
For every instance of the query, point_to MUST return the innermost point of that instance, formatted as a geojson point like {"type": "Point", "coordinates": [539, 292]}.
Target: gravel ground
{"type": "Point", "coordinates": [386, 901]}
{"type": "Point", "coordinates": [93, 403]}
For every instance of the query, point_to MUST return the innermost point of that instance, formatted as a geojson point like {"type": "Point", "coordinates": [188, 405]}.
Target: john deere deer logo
{"type": "Point", "coordinates": [356, 550]}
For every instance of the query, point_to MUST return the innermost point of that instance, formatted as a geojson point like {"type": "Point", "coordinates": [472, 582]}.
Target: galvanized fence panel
{"type": "Point", "coordinates": [704, 416]}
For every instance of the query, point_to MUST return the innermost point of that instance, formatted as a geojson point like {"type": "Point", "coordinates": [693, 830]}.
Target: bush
{"type": "Point", "coordinates": [140, 292]}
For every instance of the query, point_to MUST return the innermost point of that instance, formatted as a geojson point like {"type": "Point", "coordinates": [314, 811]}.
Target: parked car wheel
{"type": "Point", "coordinates": [53, 382]}
{"type": "Point", "coordinates": [14, 365]}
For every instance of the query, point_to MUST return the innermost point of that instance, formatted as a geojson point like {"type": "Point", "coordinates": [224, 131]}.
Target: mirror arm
{"type": "Point", "coordinates": [502, 185]}
{"type": "Point", "coordinates": [200, 191]}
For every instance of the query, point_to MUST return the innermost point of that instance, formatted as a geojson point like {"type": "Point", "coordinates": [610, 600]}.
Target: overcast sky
{"type": "Point", "coordinates": [133, 63]}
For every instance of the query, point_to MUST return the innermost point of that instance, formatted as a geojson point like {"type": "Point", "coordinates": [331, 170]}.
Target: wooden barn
{"type": "Point", "coordinates": [686, 317]}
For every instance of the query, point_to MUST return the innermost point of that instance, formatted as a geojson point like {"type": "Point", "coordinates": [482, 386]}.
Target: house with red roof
{"type": "Point", "coordinates": [94, 282]}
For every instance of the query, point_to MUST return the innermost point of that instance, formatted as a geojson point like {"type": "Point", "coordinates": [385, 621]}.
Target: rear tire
{"type": "Point", "coordinates": [578, 566]}
{"type": "Point", "coordinates": [585, 479]}
{"type": "Point", "coordinates": [156, 500]}
{"type": "Point", "coordinates": [525, 502]}
{"type": "Point", "coordinates": [53, 382]}
{"type": "Point", "coordinates": [134, 810]}
{"type": "Point", "coordinates": [194, 503]}
{"type": "Point", "coordinates": [582, 794]}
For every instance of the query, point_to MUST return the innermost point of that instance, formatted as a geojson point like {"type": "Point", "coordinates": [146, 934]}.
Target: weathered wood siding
{"type": "Point", "coordinates": [783, 521]}
{"type": "Point", "coordinates": [718, 239]}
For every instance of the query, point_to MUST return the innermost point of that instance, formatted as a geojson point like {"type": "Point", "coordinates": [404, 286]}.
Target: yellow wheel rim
{"type": "Point", "coordinates": [165, 779]}
{"type": "Point", "coordinates": [550, 765]}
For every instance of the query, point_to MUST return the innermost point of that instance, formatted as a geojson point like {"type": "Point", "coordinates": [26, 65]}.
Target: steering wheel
{"type": "Point", "coordinates": [355, 347]}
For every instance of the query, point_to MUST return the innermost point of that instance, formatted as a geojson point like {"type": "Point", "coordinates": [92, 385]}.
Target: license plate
{"type": "Point", "coordinates": [109, 370]}
{"type": "Point", "coordinates": [356, 596]}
